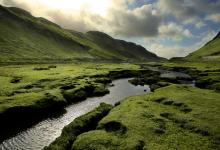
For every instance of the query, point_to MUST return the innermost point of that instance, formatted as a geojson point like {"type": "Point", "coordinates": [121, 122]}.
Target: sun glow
{"type": "Point", "coordinates": [99, 7]}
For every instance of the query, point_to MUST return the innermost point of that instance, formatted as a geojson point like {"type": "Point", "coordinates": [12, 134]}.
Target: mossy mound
{"type": "Point", "coordinates": [80, 125]}
{"type": "Point", "coordinates": [30, 93]}
{"type": "Point", "coordinates": [205, 74]}
{"type": "Point", "coordinates": [159, 120]}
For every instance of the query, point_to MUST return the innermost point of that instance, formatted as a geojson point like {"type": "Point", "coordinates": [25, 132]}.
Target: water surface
{"type": "Point", "coordinates": [43, 133]}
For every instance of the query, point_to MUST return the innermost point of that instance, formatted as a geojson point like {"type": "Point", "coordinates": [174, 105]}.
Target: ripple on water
{"type": "Point", "coordinates": [43, 133]}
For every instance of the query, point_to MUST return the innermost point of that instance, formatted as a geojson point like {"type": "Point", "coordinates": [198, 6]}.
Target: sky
{"type": "Point", "coordinates": [169, 28]}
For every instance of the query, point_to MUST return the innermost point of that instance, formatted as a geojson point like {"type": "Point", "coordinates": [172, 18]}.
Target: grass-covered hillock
{"type": "Point", "coordinates": [81, 124]}
{"type": "Point", "coordinates": [32, 92]}
{"type": "Point", "coordinates": [205, 74]}
{"type": "Point", "coordinates": [173, 117]}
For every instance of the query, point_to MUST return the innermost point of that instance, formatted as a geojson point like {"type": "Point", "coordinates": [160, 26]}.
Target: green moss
{"type": "Point", "coordinates": [103, 141]}
{"type": "Point", "coordinates": [100, 90]}
{"type": "Point", "coordinates": [210, 81]}
{"type": "Point", "coordinates": [116, 74]}
{"type": "Point", "coordinates": [157, 121]}
{"type": "Point", "coordinates": [39, 94]}
{"type": "Point", "coordinates": [102, 80]}
{"type": "Point", "coordinates": [79, 125]}
{"type": "Point", "coordinates": [158, 85]}
{"type": "Point", "coordinates": [76, 80]}
{"type": "Point", "coordinates": [201, 66]}
{"type": "Point", "coordinates": [146, 77]}
{"type": "Point", "coordinates": [74, 95]}
{"type": "Point", "coordinates": [205, 74]}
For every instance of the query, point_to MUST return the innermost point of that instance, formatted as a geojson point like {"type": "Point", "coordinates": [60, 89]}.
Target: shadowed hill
{"type": "Point", "coordinates": [123, 48]}
{"type": "Point", "coordinates": [209, 52]}
{"type": "Point", "coordinates": [24, 38]}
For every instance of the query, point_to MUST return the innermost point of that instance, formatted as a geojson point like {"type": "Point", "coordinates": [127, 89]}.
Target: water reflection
{"type": "Point", "coordinates": [46, 131]}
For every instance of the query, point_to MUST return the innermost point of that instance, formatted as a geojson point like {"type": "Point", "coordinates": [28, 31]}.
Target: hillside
{"type": "Point", "coordinates": [123, 48]}
{"type": "Point", "coordinates": [25, 38]}
{"type": "Point", "coordinates": [209, 52]}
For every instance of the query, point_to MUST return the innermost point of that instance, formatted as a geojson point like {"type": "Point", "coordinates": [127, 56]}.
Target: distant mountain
{"type": "Point", "coordinates": [209, 52]}
{"type": "Point", "coordinates": [25, 38]}
{"type": "Point", "coordinates": [120, 47]}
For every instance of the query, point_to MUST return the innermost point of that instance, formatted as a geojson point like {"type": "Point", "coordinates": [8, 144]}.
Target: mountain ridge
{"type": "Point", "coordinates": [35, 39]}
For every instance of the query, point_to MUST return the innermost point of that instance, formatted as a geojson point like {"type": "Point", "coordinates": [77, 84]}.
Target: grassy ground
{"type": "Point", "coordinates": [30, 93]}
{"type": "Point", "coordinates": [206, 74]}
{"type": "Point", "coordinates": [81, 124]}
{"type": "Point", "coordinates": [202, 66]}
{"type": "Point", "coordinates": [27, 84]}
{"type": "Point", "coordinates": [173, 117]}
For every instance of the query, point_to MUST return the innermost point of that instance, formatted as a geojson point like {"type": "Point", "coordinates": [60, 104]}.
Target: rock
{"type": "Point", "coordinates": [111, 85]}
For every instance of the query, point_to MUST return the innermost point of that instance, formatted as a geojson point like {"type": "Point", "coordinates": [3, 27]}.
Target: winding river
{"type": "Point", "coordinates": [43, 133]}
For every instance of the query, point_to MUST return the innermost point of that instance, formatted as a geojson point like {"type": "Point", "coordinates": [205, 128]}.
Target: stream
{"type": "Point", "coordinates": [43, 133]}
{"type": "Point", "coordinates": [46, 131]}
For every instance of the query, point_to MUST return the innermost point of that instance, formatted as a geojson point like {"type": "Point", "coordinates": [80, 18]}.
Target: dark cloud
{"type": "Point", "coordinates": [16, 3]}
{"type": "Point", "coordinates": [189, 11]}
{"type": "Point", "coordinates": [140, 22]}
{"type": "Point", "coordinates": [73, 22]}
{"type": "Point", "coordinates": [9, 2]}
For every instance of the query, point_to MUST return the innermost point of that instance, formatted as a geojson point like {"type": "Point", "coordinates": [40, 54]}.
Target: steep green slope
{"type": "Point", "coordinates": [209, 52]}
{"type": "Point", "coordinates": [24, 38]}
{"type": "Point", "coordinates": [120, 47]}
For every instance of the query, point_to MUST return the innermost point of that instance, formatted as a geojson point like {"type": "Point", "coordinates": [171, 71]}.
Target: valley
{"type": "Point", "coordinates": [61, 89]}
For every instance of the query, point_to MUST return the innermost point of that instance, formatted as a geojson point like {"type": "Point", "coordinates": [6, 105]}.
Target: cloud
{"type": "Point", "coordinates": [183, 12]}
{"type": "Point", "coordinates": [189, 11]}
{"type": "Point", "coordinates": [174, 31]}
{"type": "Point", "coordinates": [168, 51]}
{"type": "Point", "coordinates": [79, 18]}
{"type": "Point", "coordinates": [214, 18]}
{"type": "Point", "coordinates": [178, 50]}
{"type": "Point", "coordinates": [161, 22]}
{"type": "Point", "coordinates": [117, 20]}
{"type": "Point", "coordinates": [139, 22]}
{"type": "Point", "coordinates": [200, 24]}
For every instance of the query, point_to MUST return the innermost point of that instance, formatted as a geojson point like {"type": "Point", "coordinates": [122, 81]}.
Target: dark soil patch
{"type": "Point", "coordinates": [115, 126]}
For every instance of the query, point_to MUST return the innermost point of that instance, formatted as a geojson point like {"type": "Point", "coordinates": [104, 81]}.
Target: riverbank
{"type": "Point", "coordinates": [27, 99]}
{"type": "Point", "coordinates": [31, 93]}
{"type": "Point", "coordinates": [43, 133]}
{"type": "Point", "coordinates": [205, 74]}
{"type": "Point", "coordinates": [172, 117]}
